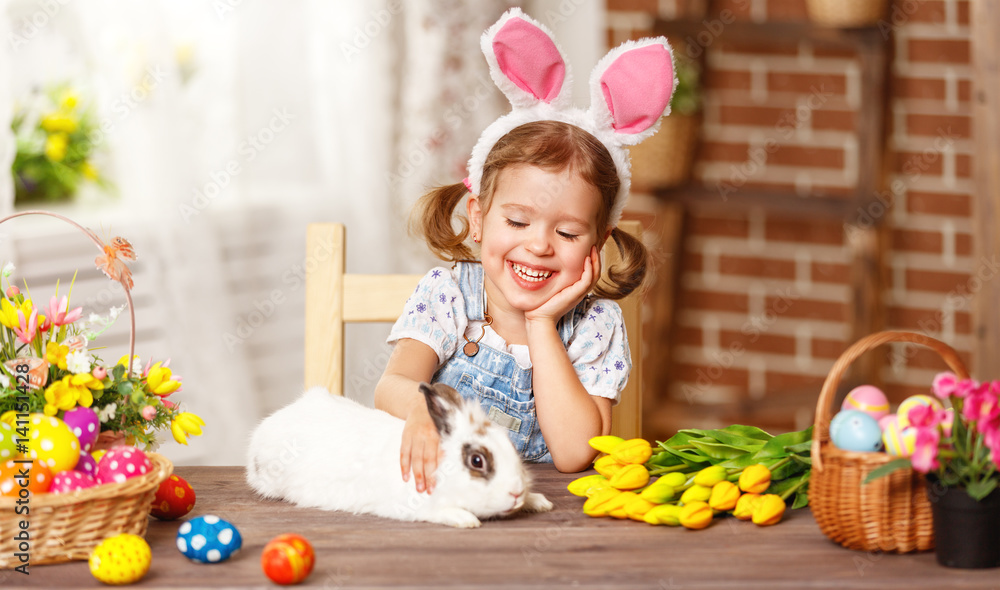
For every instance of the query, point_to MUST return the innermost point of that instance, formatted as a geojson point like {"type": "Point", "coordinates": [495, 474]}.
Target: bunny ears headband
{"type": "Point", "coordinates": [630, 89]}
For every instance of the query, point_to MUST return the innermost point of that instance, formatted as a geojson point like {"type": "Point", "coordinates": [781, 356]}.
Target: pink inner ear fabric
{"type": "Point", "coordinates": [530, 59]}
{"type": "Point", "coordinates": [637, 87]}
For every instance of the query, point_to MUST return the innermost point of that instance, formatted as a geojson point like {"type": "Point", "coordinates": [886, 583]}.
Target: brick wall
{"type": "Point", "coordinates": [764, 301]}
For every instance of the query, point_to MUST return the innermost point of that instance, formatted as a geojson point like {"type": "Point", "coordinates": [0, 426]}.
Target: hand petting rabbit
{"type": "Point", "coordinates": [326, 451]}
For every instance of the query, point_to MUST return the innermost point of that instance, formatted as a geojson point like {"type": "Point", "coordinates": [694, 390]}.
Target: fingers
{"type": "Point", "coordinates": [419, 455]}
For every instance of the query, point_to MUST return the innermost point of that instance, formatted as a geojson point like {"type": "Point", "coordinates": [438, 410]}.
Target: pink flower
{"type": "Point", "coordinates": [168, 404]}
{"type": "Point", "coordinates": [944, 384]}
{"type": "Point", "coordinates": [59, 313]}
{"type": "Point", "coordinates": [925, 416]}
{"type": "Point", "coordinates": [965, 388]}
{"type": "Point", "coordinates": [981, 407]}
{"type": "Point", "coordinates": [28, 328]}
{"type": "Point", "coordinates": [925, 449]}
{"type": "Point", "coordinates": [12, 292]}
{"type": "Point", "coordinates": [149, 412]}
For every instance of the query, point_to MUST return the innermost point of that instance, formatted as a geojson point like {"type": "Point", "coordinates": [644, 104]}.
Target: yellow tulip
{"type": "Point", "coordinates": [582, 485]}
{"type": "Point", "coordinates": [755, 479]}
{"type": "Point", "coordinates": [634, 451]}
{"type": "Point", "coordinates": [769, 510]}
{"type": "Point", "coordinates": [184, 424]}
{"type": "Point", "coordinates": [696, 493]}
{"type": "Point", "coordinates": [630, 477]}
{"type": "Point", "coordinates": [607, 466]}
{"type": "Point", "coordinates": [56, 353]}
{"type": "Point", "coordinates": [58, 123]}
{"type": "Point", "coordinates": [658, 493]}
{"type": "Point", "coordinates": [55, 146]}
{"type": "Point", "coordinates": [596, 505]}
{"type": "Point", "coordinates": [745, 506]}
{"type": "Point", "coordinates": [724, 496]}
{"type": "Point", "coordinates": [616, 506]}
{"type": "Point", "coordinates": [65, 394]}
{"type": "Point", "coordinates": [605, 444]}
{"type": "Point", "coordinates": [674, 479]}
{"type": "Point", "coordinates": [710, 476]}
{"type": "Point", "coordinates": [160, 381]}
{"type": "Point", "coordinates": [668, 514]}
{"type": "Point", "coordinates": [8, 314]}
{"type": "Point", "coordinates": [696, 515]}
{"type": "Point", "coordinates": [636, 508]}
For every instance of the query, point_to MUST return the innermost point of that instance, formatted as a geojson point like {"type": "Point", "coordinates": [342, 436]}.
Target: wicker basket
{"type": "Point", "coordinates": [66, 527]}
{"type": "Point", "coordinates": [889, 514]}
{"type": "Point", "coordinates": [666, 158]}
{"type": "Point", "coordinates": [846, 13]}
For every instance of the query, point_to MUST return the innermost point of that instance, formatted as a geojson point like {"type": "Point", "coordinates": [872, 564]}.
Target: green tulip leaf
{"type": "Point", "coordinates": [749, 432]}
{"type": "Point", "coordinates": [720, 451]}
{"type": "Point", "coordinates": [804, 448]}
{"type": "Point", "coordinates": [777, 446]}
{"type": "Point", "coordinates": [982, 488]}
{"type": "Point", "coordinates": [807, 461]}
{"type": "Point", "coordinates": [729, 438]}
{"type": "Point", "coordinates": [801, 498]}
{"type": "Point", "coordinates": [664, 459]}
{"type": "Point", "coordinates": [741, 462]}
{"type": "Point", "coordinates": [780, 486]}
{"type": "Point", "coordinates": [888, 468]}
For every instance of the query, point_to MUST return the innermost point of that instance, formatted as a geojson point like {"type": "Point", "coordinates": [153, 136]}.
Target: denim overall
{"type": "Point", "coordinates": [494, 378]}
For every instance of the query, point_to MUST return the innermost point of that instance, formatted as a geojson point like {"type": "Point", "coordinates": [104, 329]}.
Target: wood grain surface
{"type": "Point", "coordinates": [560, 549]}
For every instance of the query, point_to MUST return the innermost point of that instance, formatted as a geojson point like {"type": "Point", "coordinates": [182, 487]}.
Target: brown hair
{"type": "Point", "coordinates": [553, 146]}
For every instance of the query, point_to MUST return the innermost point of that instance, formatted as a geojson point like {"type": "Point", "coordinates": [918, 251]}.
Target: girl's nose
{"type": "Point", "coordinates": [539, 244]}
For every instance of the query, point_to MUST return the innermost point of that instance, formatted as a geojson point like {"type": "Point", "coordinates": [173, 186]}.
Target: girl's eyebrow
{"type": "Point", "coordinates": [527, 209]}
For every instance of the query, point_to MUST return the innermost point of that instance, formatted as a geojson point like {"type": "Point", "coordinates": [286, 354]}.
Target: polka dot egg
{"type": "Point", "coordinates": [86, 464]}
{"type": "Point", "coordinates": [121, 559]}
{"type": "Point", "coordinates": [208, 539]}
{"type": "Point", "coordinates": [121, 463]}
{"type": "Point", "coordinates": [12, 478]}
{"type": "Point", "coordinates": [8, 446]}
{"type": "Point", "coordinates": [84, 423]}
{"type": "Point", "coordinates": [51, 442]}
{"type": "Point", "coordinates": [174, 499]}
{"type": "Point", "coordinates": [70, 481]}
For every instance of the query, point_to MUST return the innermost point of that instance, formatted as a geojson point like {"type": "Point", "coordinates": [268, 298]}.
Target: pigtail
{"type": "Point", "coordinates": [628, 273]}
{"type": "Point", "coordinates": [432, 219]}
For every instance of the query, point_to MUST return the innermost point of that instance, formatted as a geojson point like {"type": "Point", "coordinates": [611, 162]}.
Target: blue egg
{"type": "Point", "coordinates": [854, 430]}
{"type": "Point", "coordinates": [208, 539]}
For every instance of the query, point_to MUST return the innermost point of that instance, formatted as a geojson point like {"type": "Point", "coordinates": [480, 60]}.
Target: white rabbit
{"type": "Point", "coordinates": [326, 451]}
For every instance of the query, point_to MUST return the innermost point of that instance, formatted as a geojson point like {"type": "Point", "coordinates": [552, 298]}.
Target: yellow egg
{"type": "Point", "coordinates": [50, 441]}
{"type": "Point", "coordinates": [903, 412]}
{"type": "Point", "coordinates": [121, 559]}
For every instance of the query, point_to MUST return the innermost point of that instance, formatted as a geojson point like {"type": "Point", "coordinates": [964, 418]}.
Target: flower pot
{"type": "Point", "coordinates": [667, 158]}
{"type": "Point", "coordinates": [846, 13]}
{"type": "Point", "coordinates": [965, 531]}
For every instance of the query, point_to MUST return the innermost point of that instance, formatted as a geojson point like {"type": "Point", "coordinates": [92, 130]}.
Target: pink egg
{"type": "Point", "coordinates": [84, 423]}
{"type": "Point", "coordinates": [121, 463]}
{"type": "Point", "coordinates": [86, 464]}
{"type": "Point", "coordinates": [869, 399]}
{"type": "Point", "coordinates": [69, 481]}
{"type": "Point", "coordinates": [884, 422]}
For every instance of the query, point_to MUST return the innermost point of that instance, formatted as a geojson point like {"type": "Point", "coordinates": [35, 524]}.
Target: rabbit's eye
{"type": "Point", "coordinates": [478, 460]}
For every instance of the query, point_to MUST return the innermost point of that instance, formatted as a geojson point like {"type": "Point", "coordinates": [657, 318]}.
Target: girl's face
{"type": "Point", "coordinates": [536, 235]}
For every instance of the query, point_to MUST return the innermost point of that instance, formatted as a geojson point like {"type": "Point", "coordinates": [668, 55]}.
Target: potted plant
{"type": "Point", "coordinates": [958, 448]}
{"type": "Point", "coordinates": [667, 158]}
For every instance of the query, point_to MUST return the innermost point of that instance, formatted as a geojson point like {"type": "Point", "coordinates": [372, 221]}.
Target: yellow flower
{"type": "Point", "coordinates": [56, 353]}
{"type": "Point", "coordinates": [634, 451]}
{"type": "Point", "coordinates": [769, 510]}
{"type": "Point", "coordinates": [675, 479]}
{"type": "Point", "coordinates": [65, 395]}
{"type": "Point", "coordinates": [596, 505]}
{"type": "Point", "coordinates": [659, 492]}
{"type": "Point", "coordinates": [755, 479]}
{"type": "Point", "coordinates": [8, 313]}
{"type": "Point", "coordinates": [160, 382]}
{"type": "Point", "coordinates": [724, 496]}
{"type": "Point", "coordinates": [55, 146]}
{"type": "Point", "coordinates": [696, 493]}
{"type": "Point", "coordinates": [630, 477]}
{"type": "Point", "coordinates": [582, 486]}
{"type": "Point", "coordinates": [696, 515]}
{"type": "Point", "coordinates": [59, 123]}
{"type": "Point", "coordinates": [710, 476]}
{"type": "Point", "coordinates": [184, 424]}
{"type": "Point", "coordinates": [636, 508]}
{"type": "Point", "coordinates": [69, 101]}
{"type": "Point", "coordinates": [615, 507]}
{"type": "Point", "coordinates": [745, 506]}
{"type": "Point", "coordinates": [668, 514]}
{"type": "Point", "coordinates": [88, 171]}
{"type": "Point", "coordinates": [605, 444]}
{"type": "Point", "coordinates": [607, 466]}
{"type": "Point", "coordinates": [87, 380]}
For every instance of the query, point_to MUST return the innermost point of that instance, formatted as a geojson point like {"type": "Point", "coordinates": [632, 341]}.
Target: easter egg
{"type": "Point", "coordinates": [174, 498]}
{"type": "Point", "coordinates": [208, 539]}
{"type": "Point", "coordinates": [854, 430]}
{"type": "Point", "coordinates": [121, 463]}
{"type": "Point", "coordinates": [869, 399]}
{"type": "Point", "coordinates": [51, 442]}
{"type": "Point", "coordinates": [121, 559]}
{"type": "Point", "coordinates": [84, 423]}
{"type": "Point", "coordinates": [8, 446]}
{"type": "Point", "coordinates": [86, 464]}
{"type": "Point", "coordinates": [911, 402]}
{"type": "Point", "coordinates": [15, 475]}
{"type": "Point", "coordinates": [98, 454]}
{"type": "Point", "coordinates": [287, 559]}
{"type": "Point", "coordinates": [899, 440]}
{"type": "Point", "coordinates": [70, 481]}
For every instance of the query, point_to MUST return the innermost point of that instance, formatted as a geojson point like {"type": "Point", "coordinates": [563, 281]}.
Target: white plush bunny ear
{"type": "Point", "coordinates": [525, 62]}
{"type": "Point", "coordinates": [631, 87]}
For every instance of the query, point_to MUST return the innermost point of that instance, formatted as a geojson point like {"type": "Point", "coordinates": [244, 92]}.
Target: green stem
{"type": "Point", "coordinates": [795, 488]}
{"type": "Point", "coordinates": [667, 469]}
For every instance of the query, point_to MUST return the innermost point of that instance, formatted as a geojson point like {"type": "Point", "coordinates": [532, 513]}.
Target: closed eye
{"type": "Point", "coordinates": [517, 224]}
{"type": "Point", "coordinates": [568, 235]}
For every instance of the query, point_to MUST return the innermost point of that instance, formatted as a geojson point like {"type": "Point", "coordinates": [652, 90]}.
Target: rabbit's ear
{"type": "Point", "coordinates": [631, 87]}
{"type": "Point", "coordinates": [442, 401]}
{"type": "Point", "coordinates": [525, 62]}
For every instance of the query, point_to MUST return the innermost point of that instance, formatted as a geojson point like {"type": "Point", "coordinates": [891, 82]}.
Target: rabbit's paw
{"type": "Point", "coordinates": [536, 502]}
{"type": "Point", "coordinates": [456, 517]}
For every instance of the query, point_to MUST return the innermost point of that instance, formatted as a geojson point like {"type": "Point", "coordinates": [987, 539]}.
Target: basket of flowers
{"type": "Point", "coordinates": [851, 504]}
{"type": "Point", "coordinates": [62, 408]}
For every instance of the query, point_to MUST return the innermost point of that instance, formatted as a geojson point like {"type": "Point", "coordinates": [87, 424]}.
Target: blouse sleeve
{"type": "Point", "coordinates": [599, 350]}
{"type": "Point", "coordinates": [434, 314]}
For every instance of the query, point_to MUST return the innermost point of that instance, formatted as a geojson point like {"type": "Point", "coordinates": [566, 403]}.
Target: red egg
{"type": "Point", "coordinates": [287, 559]}
{"type": "Point", "coordinates": [174, 499]}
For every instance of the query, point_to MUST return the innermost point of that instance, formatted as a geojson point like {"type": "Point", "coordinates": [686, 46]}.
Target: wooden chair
{"type": "Point", "coordinates": [334, 297]}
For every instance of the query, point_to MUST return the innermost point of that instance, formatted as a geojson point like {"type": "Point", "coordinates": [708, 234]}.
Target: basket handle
{"type": "Point", "coordinates": [821, 431]}
{"type": "Point", "coordinates": [100, 246]}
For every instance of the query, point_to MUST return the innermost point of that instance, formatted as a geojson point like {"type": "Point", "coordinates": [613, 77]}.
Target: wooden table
{"type": "Point", "coordinates": [562, 548]}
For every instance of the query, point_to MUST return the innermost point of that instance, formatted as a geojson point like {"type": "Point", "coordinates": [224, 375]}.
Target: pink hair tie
{"type": "Point", "coordinates": [467, 183]}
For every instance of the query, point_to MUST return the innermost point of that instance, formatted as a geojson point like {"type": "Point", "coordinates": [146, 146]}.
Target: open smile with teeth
{"type": "Point", "coordinates": [529, 274]}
